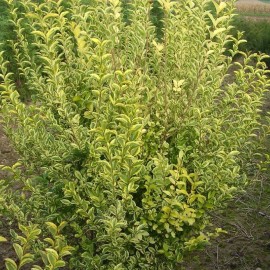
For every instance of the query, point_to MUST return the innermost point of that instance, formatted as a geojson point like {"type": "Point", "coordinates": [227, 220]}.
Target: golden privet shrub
{"type": "Point", "coordinates": [127, 141]}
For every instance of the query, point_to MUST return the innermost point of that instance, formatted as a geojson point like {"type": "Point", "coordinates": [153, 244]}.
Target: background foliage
{"type": "Point", "coordinates": [256, 33]}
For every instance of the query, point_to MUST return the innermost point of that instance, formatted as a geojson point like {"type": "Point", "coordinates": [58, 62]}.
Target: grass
{"type": "Point", "coordinates": [250, 14]}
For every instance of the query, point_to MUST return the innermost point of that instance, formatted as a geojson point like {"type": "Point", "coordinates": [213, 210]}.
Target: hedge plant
{"type": "Point", "coordinates": [256, 33]}
{"type": "Point", "coordinates": [128, 141]}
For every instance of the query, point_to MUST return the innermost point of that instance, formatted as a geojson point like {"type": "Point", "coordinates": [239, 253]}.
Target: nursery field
{"type": "Point", "coordinates": [130, 140]}
{"type": "Point", "coordinates": [254, 9]}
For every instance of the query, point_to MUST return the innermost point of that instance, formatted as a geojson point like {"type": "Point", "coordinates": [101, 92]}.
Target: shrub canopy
{"type": "Point", "coordinates": [128, 139]}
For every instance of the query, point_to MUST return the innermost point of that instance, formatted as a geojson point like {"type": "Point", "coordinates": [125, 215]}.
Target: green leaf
{"type": "Point", "coordinates": [51, 32]}
{"type": "Point", "coordinates": [10, 264]}
{"type": "Point", "coordinates": [36, 267]}
{"type": "Point", "coordinates": [3, 239]}
{"type": "Point", "coordinates": [59, 264]}
{"type": "Point", "coordinates": [19, 250]}
{"type": "Point", "coordinates": [50, 15]}
{"type": "Point", "coordinates": [39, 33]}
{"type": "Point", "coordinates": [220, 7]}
{"type": "Point", "coordinates": [52, 228]}
{"type": "Point", "coordinates": [165, 246]}
{"type": "Point", "coordinates": [50, 241]}
{"type": "Point", "coordinates": [233, 153]}
{"type": "Point", "coordinates": [34, 234]}
{"type": "Point", "coordinates": [217, 31]}
{"type": "Point", "coordinates": [95, 76]}
{"type": "Point", "coordinates": [168, 193]}
{"type": "Point", "coordinates": [44, 257]}
{"type": "Point", "coordinates": [66, 251]}
{"type": "Point", "coordinates": [52, 256]}
{"type": "Point", "coordinates": [166, 209]}
{"type": "Point", "coordinates": [182, 191]}
{"type": "Point", "coordinates": [62, 225]}
{"type": "Point", "coordinates": [77, 98]}
{"type": "Point", "coordinates": [95, 40]}
{"type": "Point", "coordinates": [66, 202]}
{"type": "Point", "coordinates": [27, 258]}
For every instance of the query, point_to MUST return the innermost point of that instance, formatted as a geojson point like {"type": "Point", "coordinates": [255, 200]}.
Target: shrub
{"type": "Point", "coordinates": [256, 33]}
{"type": "Point", "coordinates": [6, 34]}
{"type": "Point", "coordinates": [127, 139]}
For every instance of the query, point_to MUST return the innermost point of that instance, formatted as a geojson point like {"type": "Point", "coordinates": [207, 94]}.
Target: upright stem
{"type": "Point", "coordinates": [165, 70]}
